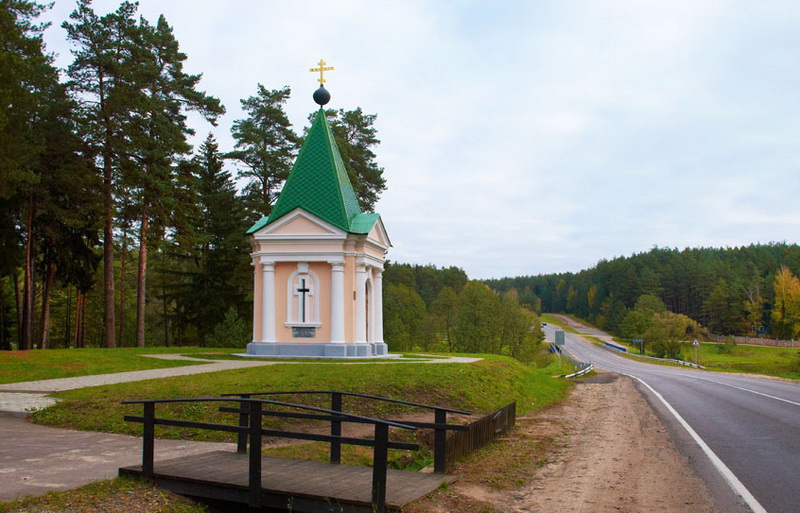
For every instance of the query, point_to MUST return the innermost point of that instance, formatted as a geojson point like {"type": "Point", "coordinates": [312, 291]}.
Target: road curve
{"type": "Point", "coordinates": [751, 425]}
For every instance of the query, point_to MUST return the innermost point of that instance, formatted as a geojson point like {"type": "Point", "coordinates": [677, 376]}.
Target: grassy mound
{"type": "Point", "coordinates": [480, 387]}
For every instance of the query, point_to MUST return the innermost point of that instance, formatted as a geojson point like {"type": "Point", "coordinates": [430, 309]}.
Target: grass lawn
{"type": "Point", "coordinates": [17, 366]}
{"type": "Point", "coordinates": [481, 387]}
{"type": "Point", "coordinates": [772, 361]}
{"type": "Point", "coordinates": [114, 495]}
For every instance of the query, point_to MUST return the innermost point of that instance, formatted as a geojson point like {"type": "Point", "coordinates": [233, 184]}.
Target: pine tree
{"type": "Point", "coordinates": [104, 77]}
{"type": "Point", "coordinates": [214, 274]}
{"type": "Point", "coordinates": [48, 192]}
{"type": "Point", "coordinates": [356, 136]}
{"type": "Point", "coordinates": [162, 136]}
{"type": "Point", "coordinates": [265, 148]}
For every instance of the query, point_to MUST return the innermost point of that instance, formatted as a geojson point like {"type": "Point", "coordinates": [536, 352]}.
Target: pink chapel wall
{"type": "Point", "coordinates": [258, 284]}
{"type": "Point", "coordinates": [283, 270]}
{"type": "Point", "coordinates": [322, 270]}
{"type": "Point", "coordinates": [300, 225]}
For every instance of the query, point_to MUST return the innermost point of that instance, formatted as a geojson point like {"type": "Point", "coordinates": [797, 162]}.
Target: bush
{"type": "Point", "coordinates": [728, 346]}
{"type": "Point", "coordinates": [231, 332]}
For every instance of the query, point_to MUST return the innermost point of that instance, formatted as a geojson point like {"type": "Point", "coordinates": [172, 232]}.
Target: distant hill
{"type": "Point", "coordinates": [728, 290]}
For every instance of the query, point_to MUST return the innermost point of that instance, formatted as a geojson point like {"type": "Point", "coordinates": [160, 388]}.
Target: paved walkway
{"type": "Point", "coordinates": [35, 460]}
{"type": "Point", "coordinates": [20, 399]}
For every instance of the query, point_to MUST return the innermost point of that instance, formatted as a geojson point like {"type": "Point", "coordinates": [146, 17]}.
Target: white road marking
{"type": "Point", "coordinates": [723, 469]}
{"type": "Point", "coordinates": [746, 390]}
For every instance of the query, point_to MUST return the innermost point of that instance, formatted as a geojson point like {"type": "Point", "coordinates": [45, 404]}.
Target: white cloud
{"type": "Point", "coordinates": [527, 137]}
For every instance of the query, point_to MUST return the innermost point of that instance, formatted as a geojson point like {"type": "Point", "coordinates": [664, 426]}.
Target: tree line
{"type": "Point", "coordinates": [432, 309]}
{"type": "Point", "coordinates": [750, 290]}
{"type": "Point", "coordinates": [114, 230]}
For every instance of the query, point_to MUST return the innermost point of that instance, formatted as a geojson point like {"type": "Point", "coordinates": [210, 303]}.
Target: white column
{"type": "Point", "coordinates": [256, 292]}
{"type": "Point", "coordinates": [337, 302]}
{"type": "Point", "coordinates": [268, 302]}
{"type": "Point", "coordinates": [361, 302]}
{"type": "Point", "coordinates": [377, 305]}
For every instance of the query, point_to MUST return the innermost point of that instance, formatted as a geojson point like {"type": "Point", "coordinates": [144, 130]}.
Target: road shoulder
{"type": "Point", "coordinates": [605, 450]}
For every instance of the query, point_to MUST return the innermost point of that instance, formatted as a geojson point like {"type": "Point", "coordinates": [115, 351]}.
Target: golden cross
{"type": "Point", "coordinates": [322, 69]}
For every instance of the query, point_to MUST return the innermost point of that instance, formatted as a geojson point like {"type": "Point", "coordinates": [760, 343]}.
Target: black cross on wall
{"type": "Point", "coordinates": [303, 290]}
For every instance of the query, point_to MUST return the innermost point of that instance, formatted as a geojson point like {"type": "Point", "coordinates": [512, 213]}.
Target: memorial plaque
{"type": "Point", "coordinates": [303, 332]}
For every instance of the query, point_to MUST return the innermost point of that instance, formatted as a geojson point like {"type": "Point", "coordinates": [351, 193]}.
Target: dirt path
{"type": "Point", "coordinates": [604, 451]}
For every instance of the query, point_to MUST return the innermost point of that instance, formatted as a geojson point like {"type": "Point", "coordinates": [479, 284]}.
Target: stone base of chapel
{"type": "Point", "coordinates": [317, 350]}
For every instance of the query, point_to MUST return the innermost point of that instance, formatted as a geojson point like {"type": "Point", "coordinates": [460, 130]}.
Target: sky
{"type": "Point", "coordinates": [525, 137]}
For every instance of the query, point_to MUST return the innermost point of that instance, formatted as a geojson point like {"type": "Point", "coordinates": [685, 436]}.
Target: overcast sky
{"type": "Point", "coordinates": [528, 137]}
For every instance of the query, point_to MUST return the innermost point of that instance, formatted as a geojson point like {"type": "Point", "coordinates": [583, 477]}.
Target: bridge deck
{"type": "Point", "coordinates": [288, 484]}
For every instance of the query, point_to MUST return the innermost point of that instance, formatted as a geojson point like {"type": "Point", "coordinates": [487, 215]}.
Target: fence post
{"type": "Point", "coordinates": [255, 455]}
{"type": "Point", "coordinates": [379, 466]}
{"type": "Point", "coordinates": [440, 442]}
{"type": "Point", "coordinates": [336, 429]}
{"type": "Point", "coordinates": [148, 439]}
{"type": "Point", "coordinates": [244, 421]}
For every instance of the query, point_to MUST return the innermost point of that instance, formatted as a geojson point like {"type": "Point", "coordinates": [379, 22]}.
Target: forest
{"type": "Point", "coordinates": [115, 231]}
{"type": "Point", "coordinates": [751, 290]}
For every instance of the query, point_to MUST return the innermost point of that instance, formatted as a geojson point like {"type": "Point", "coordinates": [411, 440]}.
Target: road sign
{"type": "Point", "coordinates": [695, 343]}
{"type": "Point", "coordinates": [559, 338]}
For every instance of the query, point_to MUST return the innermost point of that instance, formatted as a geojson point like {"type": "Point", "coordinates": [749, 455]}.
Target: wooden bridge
{"type": "Point", "coordinates": [246, 477]}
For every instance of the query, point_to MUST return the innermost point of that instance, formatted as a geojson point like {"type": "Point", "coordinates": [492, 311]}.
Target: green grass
{"type": "Point", "coordinates": [483, 386]}
{"type": "Point", "coordinates": [772, 361]}
{"type": "Point", "coordinates": [18, 366]}
{"type": "Point", "coordinates": [120, 494]}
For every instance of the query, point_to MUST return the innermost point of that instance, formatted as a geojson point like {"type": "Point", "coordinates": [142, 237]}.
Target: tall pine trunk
{"type": "Point", "coordinates": [108, 228]}
{"type": "Point", "coordinates": [108, 259]}
{"type": "Point", "coordinates": [18, 300]}
{"type": "Point", "coordinates": [141, 280]}
{"type": "Point", "coordinates": [44, 332]}
{"type": "Point", "coordinates": [77, 316]}
{"type": "Point", "coordinates": [123, 259]}
{"type": "Point", "coordinates": [5, 343]}
{"type": "Point", "coordinates": [67, 317]}
{"type": "Point", "coordinates": [27, 289]}
{"type": "Point", "coordinates": [164, 306]}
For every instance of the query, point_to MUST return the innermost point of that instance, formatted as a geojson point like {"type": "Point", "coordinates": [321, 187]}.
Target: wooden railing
{"type": "Point", "coordinates": [481, 433]}
{"type": "Point", "coordinates": [439, 425]}
{"type": "Point", "coordinates": [250, 431]}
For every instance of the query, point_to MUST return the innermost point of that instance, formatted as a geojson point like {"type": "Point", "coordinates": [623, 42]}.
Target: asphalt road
{"type": "Point", "coordinates": [741, 434]}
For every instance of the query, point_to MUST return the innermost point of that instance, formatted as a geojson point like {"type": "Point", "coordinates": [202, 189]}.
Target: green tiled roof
{"type": "Point", "coordinates": [363, 223]}
{"type": "Point", "coordinates": [318, 183]}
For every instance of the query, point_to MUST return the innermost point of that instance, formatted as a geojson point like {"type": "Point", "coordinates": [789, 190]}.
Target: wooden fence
{"type": "Point", "coordinates": [756, 341]}
{"type": "Point", "coordinates": [480, 433]}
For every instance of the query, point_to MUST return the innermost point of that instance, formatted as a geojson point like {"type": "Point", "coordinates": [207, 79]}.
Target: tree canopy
{"type": "Point", "coordinates": [104, 203]}
{"type": "Point", "coordinates": [730, 291]}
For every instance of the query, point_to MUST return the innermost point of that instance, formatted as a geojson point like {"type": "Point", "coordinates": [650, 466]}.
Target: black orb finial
{"type": "Point", "coordinates": [322, 96]}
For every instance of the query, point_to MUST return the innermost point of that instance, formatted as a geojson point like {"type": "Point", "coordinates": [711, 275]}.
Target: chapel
{"type": "Point", "coordinates": [318, 260]}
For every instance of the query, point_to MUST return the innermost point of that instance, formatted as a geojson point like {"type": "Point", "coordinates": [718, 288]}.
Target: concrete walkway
{"type": "Point", "coordinates": [20, 399]}
{"type": "Point", "coordinates": [35, 460]}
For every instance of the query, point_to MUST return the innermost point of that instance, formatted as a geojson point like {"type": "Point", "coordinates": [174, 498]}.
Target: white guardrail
{"type": "Point", "coordinates": [583, 367]}
{"type": "Point", "coordinates": [611, 348]}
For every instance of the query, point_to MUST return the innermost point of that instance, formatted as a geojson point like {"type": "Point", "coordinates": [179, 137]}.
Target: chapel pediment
{"type": "Point", "coordinates": [300, 223]}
